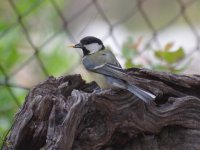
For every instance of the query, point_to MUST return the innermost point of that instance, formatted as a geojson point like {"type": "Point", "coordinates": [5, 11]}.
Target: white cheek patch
{"type": "Point", "coordinates": [94, 47]}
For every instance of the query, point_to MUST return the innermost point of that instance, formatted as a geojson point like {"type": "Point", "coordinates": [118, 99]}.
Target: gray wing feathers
{"type": "Point", "coordinates": [111, 70]}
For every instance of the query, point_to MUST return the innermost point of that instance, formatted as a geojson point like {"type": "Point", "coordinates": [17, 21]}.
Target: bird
{"type": "Point", "coordinates": [100, 60]}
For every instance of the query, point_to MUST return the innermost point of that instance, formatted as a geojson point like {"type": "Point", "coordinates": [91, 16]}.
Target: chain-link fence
{"type": "Point", "coordinates": [34, 35]}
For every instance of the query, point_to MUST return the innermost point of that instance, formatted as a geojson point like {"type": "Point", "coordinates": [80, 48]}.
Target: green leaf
{"type": "Point", "coordinates": [128, 53]}
{"type": "Point", "coordinates": [128, 50]}
{"type": "Point", "coordinates": [129, 63]}
{"type": "Point", "coordinates": [171, 57]}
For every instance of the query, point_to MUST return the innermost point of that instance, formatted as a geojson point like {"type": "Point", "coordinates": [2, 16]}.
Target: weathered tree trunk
{"type": "Point", "coordinates": [66, 114]}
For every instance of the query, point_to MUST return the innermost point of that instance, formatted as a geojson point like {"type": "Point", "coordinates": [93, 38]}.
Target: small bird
{"type": "Point", "coordinates": [98, 59]}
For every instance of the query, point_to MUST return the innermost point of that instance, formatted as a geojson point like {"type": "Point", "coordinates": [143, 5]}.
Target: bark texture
{"type": "Point", "coordinates": [66, 113]}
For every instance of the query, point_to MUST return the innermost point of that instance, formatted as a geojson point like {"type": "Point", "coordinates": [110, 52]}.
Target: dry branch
{"type": "Point", "coordinates": [66, 114]}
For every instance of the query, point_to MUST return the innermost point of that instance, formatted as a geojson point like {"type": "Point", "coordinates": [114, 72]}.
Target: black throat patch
{"type": "Point", "coordinates": [85, 51]}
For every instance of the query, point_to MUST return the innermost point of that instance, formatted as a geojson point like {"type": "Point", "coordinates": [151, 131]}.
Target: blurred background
{"type": "Point", "coordinates": [156, 34]}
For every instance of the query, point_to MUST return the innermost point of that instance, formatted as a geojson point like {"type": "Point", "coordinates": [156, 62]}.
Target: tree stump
{"type": "Point", "coordinates": [66, 113]}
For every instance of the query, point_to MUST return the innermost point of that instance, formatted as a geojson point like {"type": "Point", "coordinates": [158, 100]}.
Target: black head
{"type": "Point", "coordinates": [90, 45]}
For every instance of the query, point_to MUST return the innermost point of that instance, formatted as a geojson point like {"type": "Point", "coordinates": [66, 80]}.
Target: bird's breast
{"type": "Point", "coordinates": [100, 80]}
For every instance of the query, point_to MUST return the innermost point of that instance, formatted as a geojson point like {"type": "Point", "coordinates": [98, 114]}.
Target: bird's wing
{"type": "Point", "coordinates": [110, 70]}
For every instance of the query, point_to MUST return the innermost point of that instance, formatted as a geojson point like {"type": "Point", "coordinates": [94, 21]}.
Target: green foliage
{"type": "Point", "coordinates": [170, 57]}
{"type": "Point", "coordinates": [167, 57]}
{"type": "Point", "coordinates": [7, 17]}
{"type": "Point", "coordinates": [58, 61]}
{"type": "Point", "coordinates": [130, 51]}
{"type": "Point", "coordinates": [9, 49]}
{"type": "Point", "coordinates": [23, 5]}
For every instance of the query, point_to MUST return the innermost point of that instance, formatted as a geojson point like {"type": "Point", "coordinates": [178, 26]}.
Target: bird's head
{"type": "Point", "coordinates": [89, 45]}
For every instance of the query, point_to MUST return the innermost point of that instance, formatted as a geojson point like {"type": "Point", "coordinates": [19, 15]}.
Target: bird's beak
{"type": "Point", "coordinates": [71, 45]}
{"type": "Point", "coordinates": [79, 45]}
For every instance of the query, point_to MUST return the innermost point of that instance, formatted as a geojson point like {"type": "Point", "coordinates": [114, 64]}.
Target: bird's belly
{"type": "Point", "coordinates": [101, 80]}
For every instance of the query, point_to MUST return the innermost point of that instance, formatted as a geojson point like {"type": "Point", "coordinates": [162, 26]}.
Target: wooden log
{"type": "Point", "coordinates": [66, 113]}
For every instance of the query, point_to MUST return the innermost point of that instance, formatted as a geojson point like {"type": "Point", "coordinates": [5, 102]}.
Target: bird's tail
{"type": "Point", "coordinates": [143, 95]}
